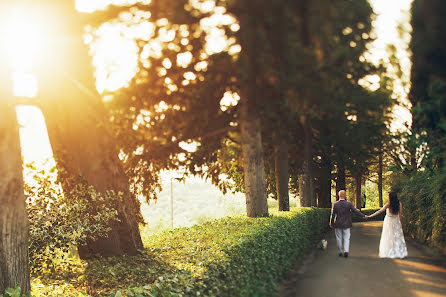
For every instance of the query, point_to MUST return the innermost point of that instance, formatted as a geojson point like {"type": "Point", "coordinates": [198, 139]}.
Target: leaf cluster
{"type": "Point", "coordinates": [61, 221]}
{"type": "Point", "coordinates": [423, 197]}
{"type": "Point", "coordinates": [428, 74]}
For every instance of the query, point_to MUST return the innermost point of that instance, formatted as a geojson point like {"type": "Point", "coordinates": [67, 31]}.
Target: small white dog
{"type": "Point", "coordinates": [322, 244]}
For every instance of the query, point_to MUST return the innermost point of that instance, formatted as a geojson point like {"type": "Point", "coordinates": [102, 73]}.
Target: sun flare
{"type": "Point", "coordinates": [23, 33]}
{"type": "Point", "coordinates": [22, 36]}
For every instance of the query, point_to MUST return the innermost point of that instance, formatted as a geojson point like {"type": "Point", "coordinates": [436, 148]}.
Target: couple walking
{"type": "Point", "coordinates": [392, 244]}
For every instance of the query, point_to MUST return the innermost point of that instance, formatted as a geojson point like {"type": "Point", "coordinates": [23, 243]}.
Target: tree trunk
{"type": "Point", "coordinates": [253, 166]}
{"type": "Point", "coordinates": [14, 227]}
{"type": "Point", "coordinates": [250, 125]}
{"type": "Point", "coordinates": [340, 178]}
{"type": "Point", "coordinates": [380, 179]}
{"type": "Point", "coordinates": [306, 186]}
{"type": "Point", "coordinates": [78, 129]}
{"type": "Point", "coordinates": [278, 39]}
{"type": "Point", "coordinates": [282, 177]}
{"type": "Point", "coordinates": [358, 185]}
{"type": "Point", "coordinates": [324, 197]}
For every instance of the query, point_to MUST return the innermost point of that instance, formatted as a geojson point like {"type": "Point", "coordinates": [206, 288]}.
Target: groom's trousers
{"type": "Point", "coordinates": [343, 239]}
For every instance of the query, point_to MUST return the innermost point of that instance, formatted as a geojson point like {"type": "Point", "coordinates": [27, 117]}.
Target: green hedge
{"type": "Point", "coordinates": [423, 196]}
{"type": "Point", "coordinates": [234, 256]}
{"type": "Point", "coordinates": [368, 211]}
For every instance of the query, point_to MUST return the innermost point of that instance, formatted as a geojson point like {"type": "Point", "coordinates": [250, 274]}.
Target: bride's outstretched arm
{"type": "Point", "coordinates": [379, 211]}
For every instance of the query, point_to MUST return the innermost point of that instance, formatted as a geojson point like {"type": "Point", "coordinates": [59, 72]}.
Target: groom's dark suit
{"type": "Point", "coordinates": [341, 220]}
{"type": "Point", "coordinates": [341, 216]}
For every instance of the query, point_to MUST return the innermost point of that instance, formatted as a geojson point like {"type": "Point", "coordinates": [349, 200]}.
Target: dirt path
{"type": "Point", "coordinates": [364, 274]}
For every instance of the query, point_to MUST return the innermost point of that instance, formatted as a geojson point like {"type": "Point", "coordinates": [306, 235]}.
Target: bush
{"type": "Point", "coordinates": [423, 196]}
{"type": "Point", "coordinates": [60, 221]}
{"type": "Point", "coordinates": [368, 211]}
{"type": "Point", "coordinates": [235, 256]}
{"type": "Point", "coordinates": [439, 211]}
{"type": "Point", "coordinates": [14, 292]}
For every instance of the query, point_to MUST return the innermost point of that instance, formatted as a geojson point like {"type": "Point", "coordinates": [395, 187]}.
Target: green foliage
{"type": "Point", "coordinates": [14, 292]}
{"type": "Point", "coordinates": [430, 116]}
{"type": "Point", "coordinates": [368, 211]}
{"type": "Point", "coordinates": [60, 221]}
{"type": "Point", "coordinates": [234, 256]}
{"type": "Point", "coordinates": [424, 191]}
{"type": "Point", "coordinates": [56, 288]}
{"type": "Point", "coordinates": [307, 61]}
{"type": "Point", "coordinates": [428, 90]}
{"type": "Point", "coordinates": [439, 210]}
{"type": "Point", "coordinates": [423, 196]}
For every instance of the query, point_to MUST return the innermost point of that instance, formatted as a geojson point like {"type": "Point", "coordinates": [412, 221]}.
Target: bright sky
{"type": "Point", "coordinates": [115, 59]}
{"type": "Point", "coordinates": [390, 14]}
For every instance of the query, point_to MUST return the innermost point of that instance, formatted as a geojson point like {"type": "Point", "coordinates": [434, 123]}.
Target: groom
{"type": "Point", "coordinates": [341, 220]}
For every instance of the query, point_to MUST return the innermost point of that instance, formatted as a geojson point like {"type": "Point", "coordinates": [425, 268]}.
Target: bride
{"type": "Point", "coordinates": [392, 244]}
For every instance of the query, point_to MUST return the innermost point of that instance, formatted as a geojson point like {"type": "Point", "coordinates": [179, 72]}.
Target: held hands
{"type": "Point", "coordinates": [367, 217]}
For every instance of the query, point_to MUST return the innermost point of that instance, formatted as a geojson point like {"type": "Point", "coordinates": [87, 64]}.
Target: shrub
{"type": "Point", "coordinates": [439, 210]}
{"type": "Point", "coordinates": [235, 256]}
{"type": "Point", "coordinates": [423, 195]}
{"type": "Point", "coordinates": [368, 211]}
{"type": "Point", "coordinates": [14, 292]}
{"type": "Point", "coordinates": [59, 221]}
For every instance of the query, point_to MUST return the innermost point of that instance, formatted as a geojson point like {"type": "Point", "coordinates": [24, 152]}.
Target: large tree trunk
{"type": "Point", "coordinates": [340, 177]}
{"type": "Point", "coordinates": [278, 39]}
{"type": "Point", "coordinates": [14, 227]}
{"type": "Point", "coordinates": [250, 125]}
{"type": "Point", "coordinates": [253, 166]}
{"type": "Point", "coordinates": [306, 186]}
{"type": "Point", "coordinates": [324, 197]}
{"type": "Point", "coordinates": [358, 185]}
{"type": "Point", "coordinates": [282, 177]}
{"type": "Point", "coordinates": [78, 128]}
{"type": "Point", "coordinates": [380, 179]}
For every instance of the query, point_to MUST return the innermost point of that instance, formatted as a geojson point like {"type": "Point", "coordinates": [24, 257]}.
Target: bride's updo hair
{"type": "Point", "coordinates": [394, 203]}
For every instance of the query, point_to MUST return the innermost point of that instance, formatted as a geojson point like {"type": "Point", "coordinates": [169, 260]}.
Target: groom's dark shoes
{"type": "Point", "coordinates": [340, 254]}
{"type": "Point", "coordinates": [345, 255]}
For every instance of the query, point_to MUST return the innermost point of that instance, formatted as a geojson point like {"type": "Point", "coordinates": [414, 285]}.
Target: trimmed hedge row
{"type": "Point", "coordinates": [234, 256]}
{"type": "Point", "coordinates": [423, 196]}
{"type": "Point", "coordinates": [368, 211]}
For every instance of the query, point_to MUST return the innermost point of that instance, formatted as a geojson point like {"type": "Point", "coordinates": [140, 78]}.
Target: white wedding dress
{"type": "Point", "coordinates": [392, 244]}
